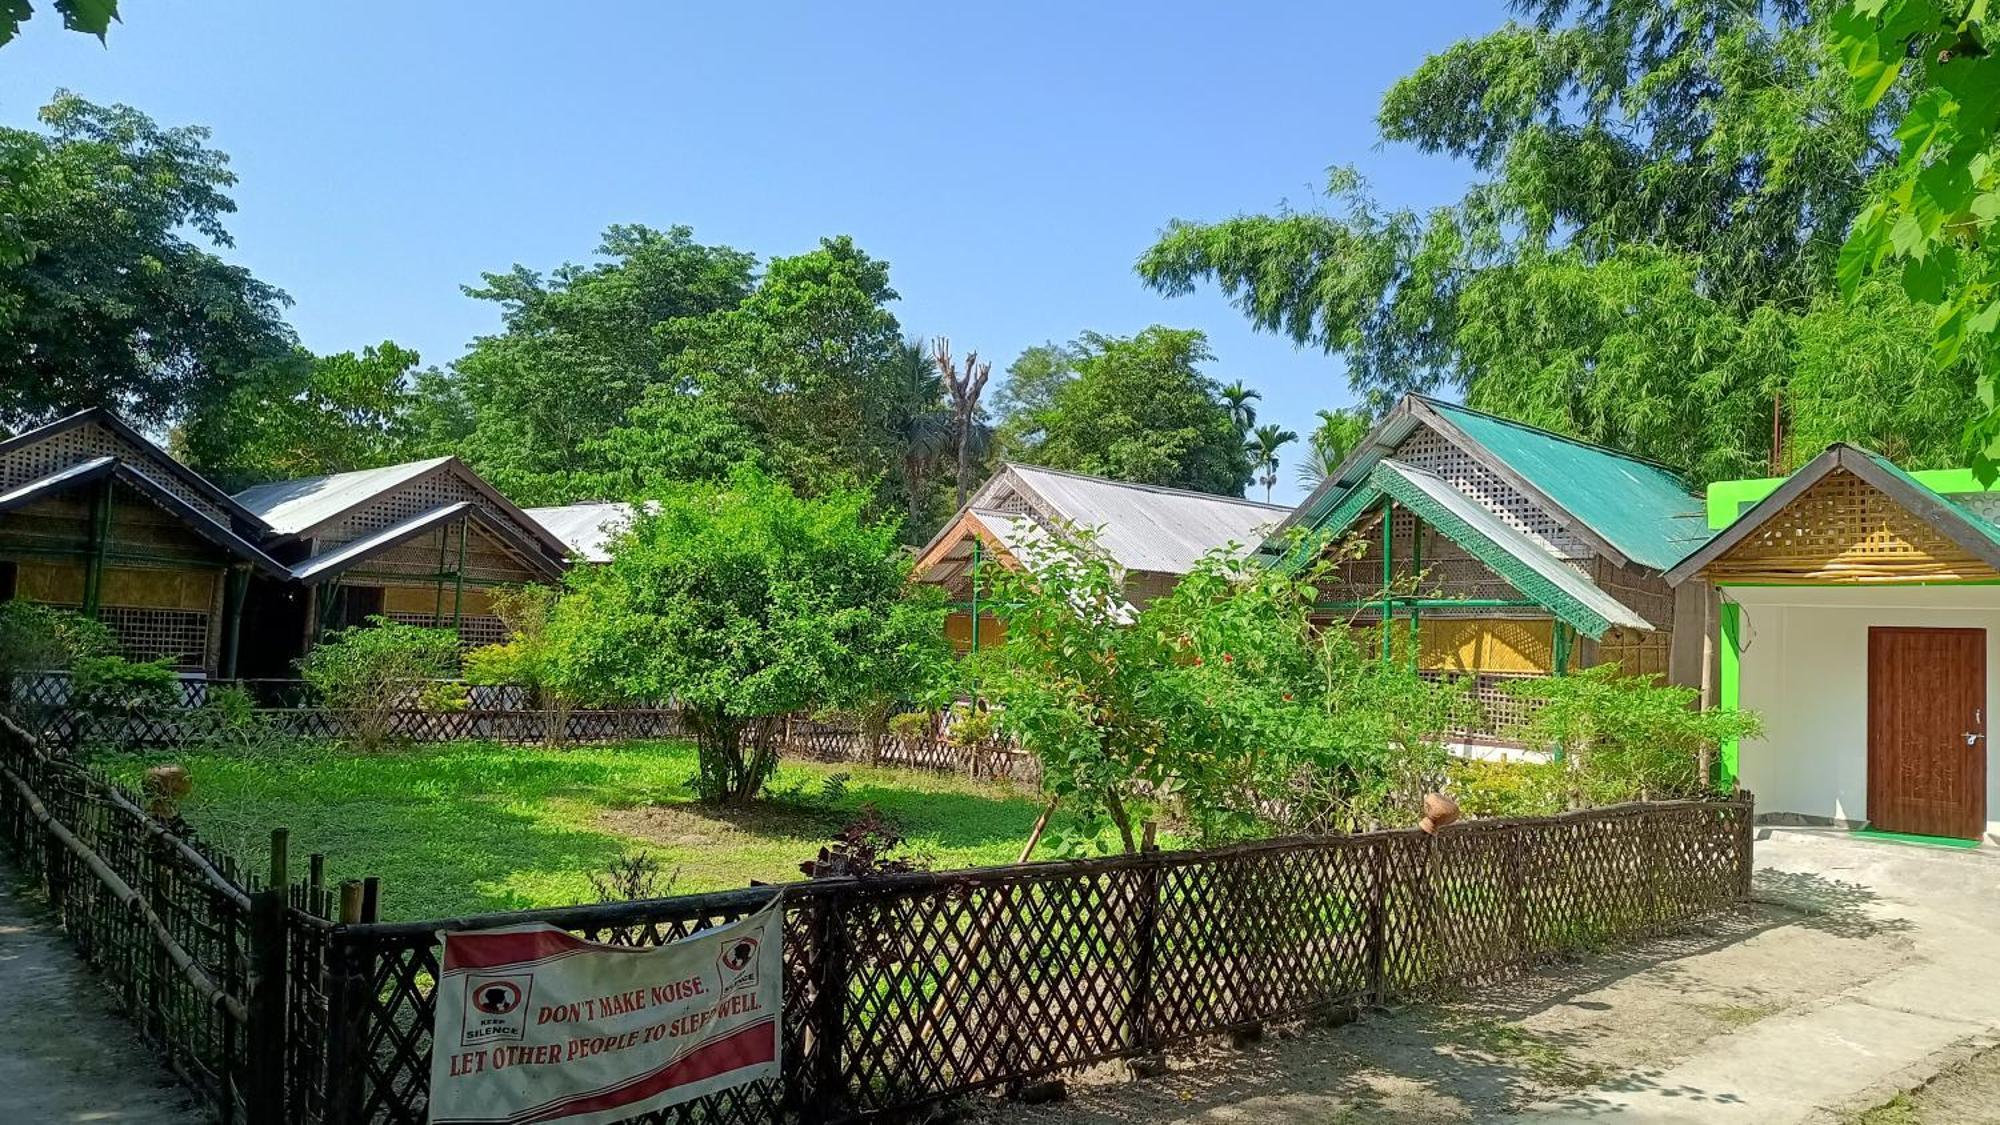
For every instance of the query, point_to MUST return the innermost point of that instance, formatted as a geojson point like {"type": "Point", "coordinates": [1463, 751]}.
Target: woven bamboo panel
{"type": "Point", "coordinates": [1447, 570]}
{"type": "Point", "coordinates": [1635, 653]}
{"type": "Point", "coordinates": [1845, 530]}
{"type": "Point", "coordinates": [1487, 644]}
{"type": "Point", "coordinates": [487, 560]}
{"type": "Point", "coordinates": [87, 442]}
{"type": "Point", "coordinates": [958, 630]}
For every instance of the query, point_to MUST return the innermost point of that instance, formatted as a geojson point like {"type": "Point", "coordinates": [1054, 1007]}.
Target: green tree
{"type": "Point", "coordinates": [1936, 210]}
{"type": "Point", "coordinates": [746, 604]}
{"type": "Point", "coordinates": [1627, 738]}
{"type": "Point", "coordinates": [105, 297]}
{"type": "Point", "coordinates": [669, 437]}
{"type": "Point", "coordinates": [1242, 403]}
{"type": "Point", "coordinates": [920, 426]}
{"type": "Point", "coordinates": [1634, 159]}
{"type": "Point", "coordinates": [92, 17]}
{"type": "Point", "coordinates": [374, 671]}
{"type": "Point", "coordinates": [1338, 434]}
{"type": "Point", "coordinates": [1139, 409]}
{"type": "Point", "coordinates": [303, 415]}
{"type": "Point", "coordinates": [1026, 395]}
{"type": "Point", "coordinates": [805, 362]}
{"type": "Point", "coordinates": [1263, 447]}
{"type": "Point", "coordinates": [579, 349]}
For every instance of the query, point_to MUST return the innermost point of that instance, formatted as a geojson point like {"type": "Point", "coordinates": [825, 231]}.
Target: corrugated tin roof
{"type": "Point", "coordinates": [1504, 549]}
{"type": "Point", "coordinates": [292, 506]}
{"type": "Point", "coordinates": [1643, 509]}
{"type": "Point", "coordinates": [587, 529]}
{"type": "Point", "coordinates": [1146, 527]}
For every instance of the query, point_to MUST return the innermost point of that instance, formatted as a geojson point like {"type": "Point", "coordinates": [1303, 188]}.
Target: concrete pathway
{"type": "Point", "coordinates": [1827, 1060]}
{"type": "Point", "coordinates": [65, 1055]}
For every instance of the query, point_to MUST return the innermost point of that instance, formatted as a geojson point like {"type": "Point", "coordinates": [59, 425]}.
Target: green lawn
{"type": "Point", "coordinates": [470, 827]}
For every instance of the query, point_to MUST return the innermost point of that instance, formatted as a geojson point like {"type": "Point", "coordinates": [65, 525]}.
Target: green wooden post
{"type": "Point", "coordinates": [458, 595]}
{"type": "Point", "coordinates": [100, 535]}
{"type": "Point", "coordinates": [1562, 637]}
{"type": "Point", "coordinates": [1388, 574]}
{"type": "Point", "coordinates": [1416, 603]}
{"type": "Point", "coordinates": [1729, 689]}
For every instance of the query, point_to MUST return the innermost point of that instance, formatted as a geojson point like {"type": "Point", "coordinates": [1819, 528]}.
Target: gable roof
{"type": "Point", "coordinates": [1626, 507]}
{"type": "Point", "coordinates": [156, 458]}
{"type": "Point", "coordinates": [296, 507]}
{"type": "Point", "coordinates": [1502, 548]}
{"type": "Point", "coordinates": [98, 468]}
{"type": "Point", "coordinates": [1979, 537]}
{"type": "Point", "coordinates": [347, 555]}
{"type": "Point", "coordinates": [1141, 527]}
{"type": "Point", "coordinates": [586, 529]}
{"type": "Point", "coordinates": [301, 507]}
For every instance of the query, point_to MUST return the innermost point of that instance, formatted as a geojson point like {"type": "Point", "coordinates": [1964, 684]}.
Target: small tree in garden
{"type": "Point", "coordinates": [376, 669]}
{"type": "Point", "coordinates": [1221, 697]}
{"type": "Point", "coordinates": [528, 658]}
{"type": "Point", "coordinates": [1625, 738]}
{"type": "Point", "coordinates": [745, 605]}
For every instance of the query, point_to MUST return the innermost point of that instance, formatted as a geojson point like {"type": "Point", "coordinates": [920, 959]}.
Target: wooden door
{"type": "Point", "coordinates": [1927, 731]}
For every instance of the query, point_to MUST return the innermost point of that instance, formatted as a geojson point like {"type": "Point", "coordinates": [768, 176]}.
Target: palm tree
{"type": "Point", "coordinates": [1238, 399]}
{"type": "Point", "coordinates": [1339, 432]}
{"type": "Point", "coordinates": [919, 421]}
{"type": "Point", "coordinates": [1263, 447]}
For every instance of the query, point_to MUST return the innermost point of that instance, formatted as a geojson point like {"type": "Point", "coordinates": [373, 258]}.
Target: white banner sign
{"type": "Point", "coordinates": [536, 1025]}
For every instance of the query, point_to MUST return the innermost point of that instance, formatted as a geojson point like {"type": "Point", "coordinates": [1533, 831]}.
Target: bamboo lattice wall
{"type": "Point", "coordinates": [1844, 530]}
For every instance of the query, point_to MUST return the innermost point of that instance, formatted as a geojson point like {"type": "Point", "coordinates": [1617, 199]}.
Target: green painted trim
{"type": "Point", "coordinates": [1913, 840]}
{"type": "Point", "coordinates": [1855, 585]}
{"type": "Point", "coordinates": [1436, 603]}
{"type": "Point", "coordinates": [1729, 691]}
{"type": "Point", "coordinates": [1388, 573]}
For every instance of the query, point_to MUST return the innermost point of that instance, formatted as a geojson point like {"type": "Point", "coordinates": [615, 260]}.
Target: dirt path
{"type": "Point", "coordinates": [65, 1056]}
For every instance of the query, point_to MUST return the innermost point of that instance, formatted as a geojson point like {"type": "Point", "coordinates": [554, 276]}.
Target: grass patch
{"type": "Point", "coordinates": [469, 827]}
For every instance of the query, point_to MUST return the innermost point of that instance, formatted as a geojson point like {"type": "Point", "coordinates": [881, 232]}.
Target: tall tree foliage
{"type": "Point", "coordinates": [92, 17]}
{"type": "Point", "coordinates": [1936, 214]}
{"type": "Point", "coordinates": [1661, 192]}
{"type": "Point", "coordinates": [1137, 409]}
{"type": "Point", "coordinates": [108, 296]}
{"type": "Point", "coordinates": [579, 349]}
{"type": "Point", "coordinates": [304, 415]}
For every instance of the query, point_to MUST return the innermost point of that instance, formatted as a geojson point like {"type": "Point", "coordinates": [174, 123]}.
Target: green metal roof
{"type": "Point", "coordinates": [1642, 509]}
{"type": "Point", "coordinates": [1523, 563]}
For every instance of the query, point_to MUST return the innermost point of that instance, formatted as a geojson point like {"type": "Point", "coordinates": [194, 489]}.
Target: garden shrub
{"type": "Point", "coordinates": [39, 638]}
{"type": "Point", "coordinates": [375, 670]}
{"type": "Point", "coordinates": [108, 688]}
{"type": "Point", "coordinates": [1627, 738]}
{"type": "Point", "coordinates": [1508, 788]}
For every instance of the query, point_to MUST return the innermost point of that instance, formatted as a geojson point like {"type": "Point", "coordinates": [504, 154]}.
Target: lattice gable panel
{"type": "Point", "coordinates": [140, 530]}
{"type": "Point", "coordinates": [409, 500]}
{"type": "Point", "coordinates": [86, 442]}
{"type": "Point", "coordinates": [1845, 530]}
{"type": "Point", "coordinates": [1431, 451]}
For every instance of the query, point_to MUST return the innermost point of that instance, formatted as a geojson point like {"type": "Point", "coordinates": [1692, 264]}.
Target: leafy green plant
{"type": "Point", "coordinates": [111, 689]}
{"type": "Point", "coordinates": [1508, 788]}
{"type": "Point", "coordinates": [375, 670]}
{"type": "Point", "coordinates": [39, 638]}
{"type": "Point", "coordinates": [746, 604]}
{"type": "Point", "coordinates": [1624, 738]}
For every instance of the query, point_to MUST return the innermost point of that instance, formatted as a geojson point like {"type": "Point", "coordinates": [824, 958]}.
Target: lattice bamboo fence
{"type": "Point", "coordinates": [904, 990]}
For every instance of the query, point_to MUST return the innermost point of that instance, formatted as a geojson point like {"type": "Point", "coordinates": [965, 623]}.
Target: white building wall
{"type": "Point", "coordinates": [1804, 667]}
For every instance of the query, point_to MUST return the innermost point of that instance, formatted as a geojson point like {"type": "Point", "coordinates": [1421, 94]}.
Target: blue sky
{"type": "Point", "coordinates": [1009, 161]}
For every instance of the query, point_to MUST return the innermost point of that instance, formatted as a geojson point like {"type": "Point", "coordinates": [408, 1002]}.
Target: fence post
{"type": "Point", "coordinates": [1746, 842]}
{"type": "Point", "coordinates": [1145, 1034]}
{"type": "Point", "coordinates": [346, 1029]}
{"type": "Point", "coordinates": [830, 1083]}
{"type": "Point", "coordinates": [1377, 933]}
{"type": "Point", "coordinates": [269, 1001]}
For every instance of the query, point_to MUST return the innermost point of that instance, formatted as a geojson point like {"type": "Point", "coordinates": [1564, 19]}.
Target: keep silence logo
{"type": "Point", "coordinates": [738, 962]}
{"type": "Point", "coordinates": [496, 1009]}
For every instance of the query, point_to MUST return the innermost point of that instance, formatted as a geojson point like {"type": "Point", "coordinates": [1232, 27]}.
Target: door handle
{"type": "Point", "coordinates": [1972, 739]}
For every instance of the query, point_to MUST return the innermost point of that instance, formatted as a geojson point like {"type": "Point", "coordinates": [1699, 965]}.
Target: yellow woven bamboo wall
{"type": "Point", "coordinates": [62, 584]}
{"type": "Point", "coordinates": [1483, 644]}
{"type": "Point", "coordinates": [1844, 530]}
{"type": "Point", "coordinates": [958, 630]}
{"type": "Point", "coordinates": [424, 599]}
